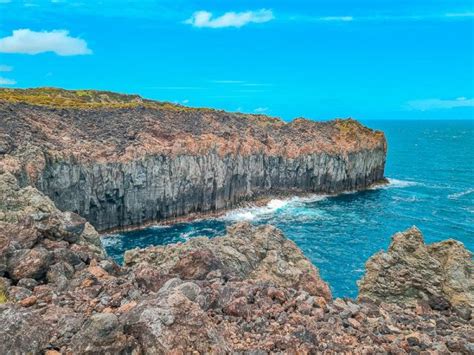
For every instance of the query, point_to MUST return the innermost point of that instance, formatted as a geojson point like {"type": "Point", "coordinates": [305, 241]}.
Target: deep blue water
{"type": "Point", "coordinates": [431, 170]}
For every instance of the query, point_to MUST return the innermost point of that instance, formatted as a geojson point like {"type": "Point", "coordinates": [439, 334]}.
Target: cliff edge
{"type": "Point", "coordinates": [121, 160]}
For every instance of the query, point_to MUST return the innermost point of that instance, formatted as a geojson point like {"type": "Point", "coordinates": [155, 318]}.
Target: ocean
{"type": "Point", "coordinates": [430, 167]}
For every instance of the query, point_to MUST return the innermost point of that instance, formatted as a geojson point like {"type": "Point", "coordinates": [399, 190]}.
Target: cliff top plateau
{"type": "Point", "coordinates": [249, 291]}
{"type": "Point", "coordinates": [104, 126]}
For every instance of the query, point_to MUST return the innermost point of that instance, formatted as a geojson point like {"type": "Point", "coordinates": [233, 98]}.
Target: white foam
{"type": "Point", "coordinates": [396, 183]}
{"type": "Point", "coordinates": [111, 240]}
{"type": "Point", "coordinates": [159, 226]}
{"type": "Point", "coordinates": [457, 195]}
{"type": "Point", "coordinates": [240, 215]}
{"type": "Point", "coordinates": [276, 204]}
{"type": "Point", "coordinates": [196, 233]}
{"type": "Point", "coordinates": [405, 199]}
{"type": "Point", "coordinates": [255, 213]}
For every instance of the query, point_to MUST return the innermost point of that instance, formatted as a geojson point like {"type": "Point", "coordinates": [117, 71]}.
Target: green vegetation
{"type": "Point", "coordinates": [87, 99]}
{"type": "Point", "coordinates": [95, 99]}
{"type": "Point", "coordinates": [3, 297]}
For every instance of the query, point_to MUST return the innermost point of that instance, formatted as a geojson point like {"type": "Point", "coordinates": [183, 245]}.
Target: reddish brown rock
{"type": "Point", "coordinates": [29, 301]}
{"type": "Point", "coordinates": [248, 292]}
{"type": "Point", "coordinates": [29, 263]}
{"type": "Point", "coordinates": [259, 253]}
{"type": "Point", "coordinates": [441, 274]}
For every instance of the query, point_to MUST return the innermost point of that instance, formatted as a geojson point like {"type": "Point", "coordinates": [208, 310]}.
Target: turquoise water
{"type": "Point", "coordinates": [431, 170]}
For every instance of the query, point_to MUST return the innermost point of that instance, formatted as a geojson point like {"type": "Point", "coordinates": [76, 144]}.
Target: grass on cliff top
{"type": "Point", "coordinates": [3, 297]}
{"type": "Point", "coordinates": [95, 99]}
{"type": "Point", "coordinates": [61, 98]}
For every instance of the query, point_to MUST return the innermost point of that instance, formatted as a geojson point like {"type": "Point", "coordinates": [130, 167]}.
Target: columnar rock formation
{"type": "Point", "coordinates": [119, 160]}
{"type": "Point", "coordinates": [251, 291]}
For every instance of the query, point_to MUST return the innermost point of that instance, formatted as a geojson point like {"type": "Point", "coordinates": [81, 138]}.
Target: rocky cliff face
{"type": "Point", "coordinates": [251, 291]}
{"type": "Point", "coordinates": [120, 160]}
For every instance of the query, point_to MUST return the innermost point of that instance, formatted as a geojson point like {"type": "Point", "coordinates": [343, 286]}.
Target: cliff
{"type": "Point", "coordinates": [252, 291]}
{"type": "Point", "coordinates": [120, 160]}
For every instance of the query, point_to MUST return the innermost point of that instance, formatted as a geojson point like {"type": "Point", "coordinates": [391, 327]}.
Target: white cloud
{"type": "Point", "coordinates": [337, 18]}
{"type": "Point", "coordinates": [379, 18]}
{"type": "Point", "coordinates": [25, 41]}
{"type": "Point", "coordinates": [460, 14]}
{"type": "Point", "coordinates": [5, 68]}
{"type": "Point", "coordinates": [175, 87]}
{"type": "Point", "coordinates": [186, 101]}
{"type": "Point", "coordinates": [228, 81]}
{"type": "Point", "coordinates": [5, 81]}
{"type": "Point", "coordinates": [261, 109]}
{"type": "Point", "coordinates": [5, 1]}
{"type": "Point", "coordinates": [436, 104]}
{"type": "Point", "coordinates": [229, 19]}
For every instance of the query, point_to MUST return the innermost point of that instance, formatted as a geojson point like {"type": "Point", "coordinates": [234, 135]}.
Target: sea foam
{"type": "Point", "coordinates": [457, 195]}
{"type": "Point", "coordinates": [256, 213]}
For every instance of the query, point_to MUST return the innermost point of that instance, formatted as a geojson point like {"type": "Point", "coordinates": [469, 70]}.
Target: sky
{"type": "Point", "coordinates": [320, 59]}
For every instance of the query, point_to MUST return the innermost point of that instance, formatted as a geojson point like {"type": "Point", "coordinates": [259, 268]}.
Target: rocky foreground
{"type": "Point", "coordinates": [122, 161]}
{"type": "Point", "coordinates": [251, 291]}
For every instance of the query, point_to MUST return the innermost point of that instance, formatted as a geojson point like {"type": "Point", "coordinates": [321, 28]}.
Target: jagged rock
{"type": "Point", "coordinates": [247, 252]}
{"type": "Point", "coordinates": [22, 331]}
{"type": "Point", "coordinates": [102, 333]}
{"type": "Point", "coordinates": [441, 273]}
{"type": "Point", "coordinates": [120, 163]}
{"type": "Point", "coordinates": [29, 263]}
{"type": "Point", "coordinates": [174, 323]}
{"type": "Point", "coordinates": [27, 283]}
{"type": "Point", "coordinates": [252, 291]}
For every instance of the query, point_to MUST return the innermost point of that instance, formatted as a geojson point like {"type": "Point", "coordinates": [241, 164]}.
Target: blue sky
{"type": "Point", "coordinates": [318, 59]}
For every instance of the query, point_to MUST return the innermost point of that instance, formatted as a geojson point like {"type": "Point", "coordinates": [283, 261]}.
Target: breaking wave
{"type": "Point", "coordinates": [256, 213]}
{"type": "Point", "coordinates": [397, 184]}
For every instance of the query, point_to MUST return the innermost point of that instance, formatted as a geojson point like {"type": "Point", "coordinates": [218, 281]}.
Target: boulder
{"type": "Point", "coordinates": [102, 333]}
{"type": "Point", "coordinates": [256, 253]}
{"type": "Point", "coordinates": [22, 331]}
{"type": "Point", "coordinates": [441, 274]}
{"type": "Point", "coordinates": [29, 263]}
{"type": "Point", "coordinates": [174, 322]}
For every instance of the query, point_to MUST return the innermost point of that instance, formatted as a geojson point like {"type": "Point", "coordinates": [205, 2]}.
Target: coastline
{"type": "Point", "coordinates": [258, 201]}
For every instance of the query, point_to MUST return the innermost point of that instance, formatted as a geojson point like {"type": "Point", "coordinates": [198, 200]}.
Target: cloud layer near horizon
{"type": "Point", "coordinates": [26, 41]}
{"type": "Point", "coordinates": [229, 19]}
{"type": "Point", "coordinates": [436, 104]}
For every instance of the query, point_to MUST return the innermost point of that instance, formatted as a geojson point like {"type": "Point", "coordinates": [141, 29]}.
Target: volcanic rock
{"type": "Point", "coordinates": [120, 160]}
{"type": "Point", "coordinates": [441, 274]}
{"type": "Point", "coordinates": [246, 252]}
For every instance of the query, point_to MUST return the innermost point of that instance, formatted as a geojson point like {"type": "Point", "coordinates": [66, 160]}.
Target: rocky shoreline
{"type": "Point", "coordinates": [73, 163]}
{"type": "Point", "coordinates": [251, 291]}
{"type": "Point", "coordinates": [121, 161]}
{"type": "Point", "coordinates": [258, 202]}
